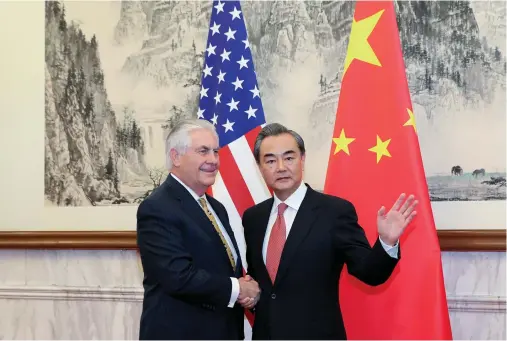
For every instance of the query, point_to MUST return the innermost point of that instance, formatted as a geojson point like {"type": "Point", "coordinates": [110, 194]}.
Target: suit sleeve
{"type": "Point", "coordinates": [372, 266]}
{"type": "Point", "coordinates": [165, 258]}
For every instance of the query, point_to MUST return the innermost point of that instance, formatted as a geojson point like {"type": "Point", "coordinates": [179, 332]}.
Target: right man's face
{"type": "Point", "coordinates": [281, 163]}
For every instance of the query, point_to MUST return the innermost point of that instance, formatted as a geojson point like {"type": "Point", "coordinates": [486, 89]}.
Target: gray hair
{"type": "Point", "coordinates": [179, 136]}
{"type": "Point", "coordinates": [275, 129]}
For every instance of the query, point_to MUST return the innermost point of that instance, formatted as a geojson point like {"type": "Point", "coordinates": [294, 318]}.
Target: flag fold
{"type": "Point", "coordinates": [374, 157]}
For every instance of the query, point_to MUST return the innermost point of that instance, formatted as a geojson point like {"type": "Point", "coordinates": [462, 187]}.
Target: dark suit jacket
{"type": "Point", "coordinates": [304, 303]}
{"type": "Point", "coordinates": [187, 284]}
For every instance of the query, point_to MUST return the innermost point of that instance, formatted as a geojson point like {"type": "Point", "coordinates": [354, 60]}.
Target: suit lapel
{"type": "Point", "coordinates": [194, 210]}
{"type": "Point", "coordinates": [225, 223]}
{"type": "Point", "coordinates": [301, 226]}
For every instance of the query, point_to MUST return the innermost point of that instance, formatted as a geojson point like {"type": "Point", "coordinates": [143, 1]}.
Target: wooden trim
{"type": "Point", "coordinates": [472, 240]}
{"type": "Point", "coordinates": [107, 240]}
{"type": "Point", "coordinates": [450, 240]}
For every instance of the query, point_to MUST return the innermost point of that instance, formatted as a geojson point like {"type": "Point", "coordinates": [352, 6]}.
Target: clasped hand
{"type": "Point", "coordinates": [249, 292]}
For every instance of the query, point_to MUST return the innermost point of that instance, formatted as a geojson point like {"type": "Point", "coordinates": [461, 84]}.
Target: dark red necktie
{"type": "Point", "coordinates": [276, 243]}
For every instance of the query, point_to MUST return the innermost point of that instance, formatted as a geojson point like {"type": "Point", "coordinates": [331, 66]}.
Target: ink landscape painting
{"type": "Point", "coordinates": [120, 73]}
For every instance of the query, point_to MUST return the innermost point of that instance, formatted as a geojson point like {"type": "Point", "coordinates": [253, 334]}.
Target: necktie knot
{"type": "Point", "coordinates": [202, 201]}
{"type": "Point", "coordinates": [281, 208]}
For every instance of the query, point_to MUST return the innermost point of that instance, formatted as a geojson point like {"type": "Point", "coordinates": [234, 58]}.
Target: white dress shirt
{"type": "Point", "coordinates": [235, 282]}
{"type": "Point", "coordinates": [294, 202]}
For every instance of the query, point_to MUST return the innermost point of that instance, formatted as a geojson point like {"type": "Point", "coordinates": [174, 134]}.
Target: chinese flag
{"type": "Point", "coordinates": [374, 158]}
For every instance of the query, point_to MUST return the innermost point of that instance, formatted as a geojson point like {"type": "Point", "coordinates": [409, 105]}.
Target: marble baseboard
{"type": "Point", "coordinates": [479, 304]}
{"type": "Point", "coordinates": [59, 293]}
{"type": "Point", "coordinates": [71, 312]}
{"type": "Point", "coordinates": [468, 303]}
{"type": "Point", "coordinates": [97, 294]}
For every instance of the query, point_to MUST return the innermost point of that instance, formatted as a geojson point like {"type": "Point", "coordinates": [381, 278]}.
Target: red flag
{"type": "Point", "coordinates": [374, 158]}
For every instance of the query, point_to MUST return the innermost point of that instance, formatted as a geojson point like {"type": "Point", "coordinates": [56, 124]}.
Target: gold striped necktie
{"type": "Point", "coordinates": [202, 201]}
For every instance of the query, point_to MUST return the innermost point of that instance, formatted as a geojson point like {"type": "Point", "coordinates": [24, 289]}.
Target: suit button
{"type": "Point", "coordinates": [273, 296]}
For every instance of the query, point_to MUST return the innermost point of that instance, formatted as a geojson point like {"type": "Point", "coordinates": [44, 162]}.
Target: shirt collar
{"type": "Point", "coordinates": [191, 191]}
{"type": "Point", "coordinates": [293, 201]}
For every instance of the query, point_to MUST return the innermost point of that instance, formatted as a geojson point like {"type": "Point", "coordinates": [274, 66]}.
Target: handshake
{"type": "Point", "coordinates": [249, 292]}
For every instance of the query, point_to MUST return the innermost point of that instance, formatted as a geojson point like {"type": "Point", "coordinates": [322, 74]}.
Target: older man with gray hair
{"type": "Point", "coordinates": [192, 269]}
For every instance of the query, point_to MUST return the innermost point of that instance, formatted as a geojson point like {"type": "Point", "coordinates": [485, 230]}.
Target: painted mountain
{"type": "Point", "coordinates": [88, 151]}
{"type": "Point", "coordinates": [151, 55]}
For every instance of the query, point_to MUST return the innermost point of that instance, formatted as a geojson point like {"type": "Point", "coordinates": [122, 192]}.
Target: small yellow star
{"type": "Point", "coordinates": [411, 120]}
{"type": "Point", "coordinates": [342, 142]}
{"type": "Point", "coordinates": [381, 148]}
{"type": "Point", "coordinates": [359, 48]}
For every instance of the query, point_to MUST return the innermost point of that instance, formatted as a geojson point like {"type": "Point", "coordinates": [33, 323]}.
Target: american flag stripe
{"type": "Point", "coordinates": [245, 161]}
{"type": "Point", "coordinates": [231, 176]}
{"type": "Point", "coordinates": [250, 138]}
{"type": "Point", "coordinates": [252, 135]}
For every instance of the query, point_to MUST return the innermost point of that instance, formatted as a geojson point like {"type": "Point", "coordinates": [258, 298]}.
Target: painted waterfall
{"type": "Point", "coordinates": [119, 73]}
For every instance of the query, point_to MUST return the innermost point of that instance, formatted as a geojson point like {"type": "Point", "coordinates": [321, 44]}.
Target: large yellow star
{"type": "Point", "coordinates": [381, 148]}
{"type": "Point", "coordinates": [359, 48]}
{"type": "Point", "coordinates": [342, 142]}
{"type": "Point", "coordinates": [411, 120]}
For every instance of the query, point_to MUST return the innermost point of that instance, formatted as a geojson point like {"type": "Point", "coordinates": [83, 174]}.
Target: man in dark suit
{"type": "Point", "coordinates": [192, 268]}
{"type": "Point", "coordinates": [299, 240]}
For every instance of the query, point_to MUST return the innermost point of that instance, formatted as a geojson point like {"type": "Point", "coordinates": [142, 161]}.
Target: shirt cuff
{"type": "Point", "coordinates": [391, 250]}
{"type": "Point", "coordinates": [234, 292]}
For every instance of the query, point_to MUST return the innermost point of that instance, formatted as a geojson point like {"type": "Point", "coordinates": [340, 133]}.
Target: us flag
{"type": "Point", "coordinates": [231, 100]}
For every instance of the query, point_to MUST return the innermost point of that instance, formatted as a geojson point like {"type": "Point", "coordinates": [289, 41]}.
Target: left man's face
{"type": "Point", "coordinates": [199, 165]}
